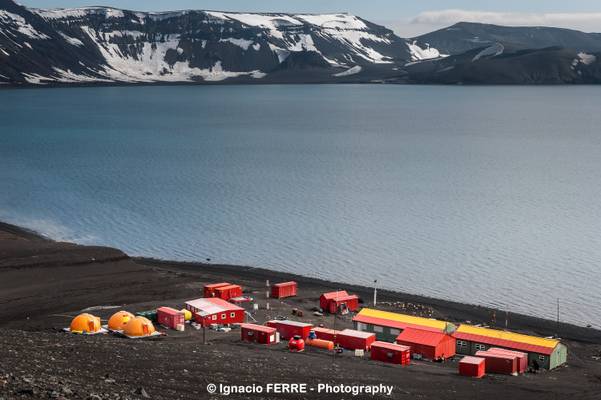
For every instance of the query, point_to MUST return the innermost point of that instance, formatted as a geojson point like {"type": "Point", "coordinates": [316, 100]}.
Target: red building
{"type": "Point", "coordinates": [326, 334]}
{"type": "Point", "coordinates": [285, 289]}
{"type": "Point", "coordinates": [498, 363]}
{"type": "Point", "coordinates": [209, 290]}
{"type": "Point", "coordinates": [170, 318]}
{"type": "Point", "coordinates": [472, 366]}
{"type": "Point", "coordinates": [215, 311]}
{"type": "Point", "coordinates": [522, 357]}
{"type": "Point", "coordinates": [334, 302]}
{"type": "Point", "coordinates": [228, 292]}
{"type": "Point", "coordinates": [258, 333]}
{"type": "Point", "coordinates": [355, 340]}
{"type": "Point", "coordinates": [289, 329]}
{"type": "Point", "coordinates": [430, 345]}
{"type": "Point", "coordinates": [390, 353]}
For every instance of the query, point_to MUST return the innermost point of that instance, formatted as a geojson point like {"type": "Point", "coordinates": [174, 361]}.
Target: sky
{"type": "Point", "coordinates": [406, 18]}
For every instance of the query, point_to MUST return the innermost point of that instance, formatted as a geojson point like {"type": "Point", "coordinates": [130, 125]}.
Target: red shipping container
{"type": "Point", "coordinates": [355, 340]}
{"type": "Point", "coordinates": [285, 289]}
{"type": "Point", "coordinates": [522, 357]}
{"type": "Point", "coordinates": [472, 366]}
{"type": "Point", "coordinates": [257, 333]}
{"type": "Point", "coordinates": [431, 345]}
{"type": "Point", "coordinates": [497, 363]}
{"type": "Point", "coordinates": [289, 329]}
{"type": "Point", "coordinates": [170, 318]}
{"type": "Point", "coordinates": [213, 310]}
{"type": "Point", "coordinates": [326, 334]}
{"type": "Point", "coordinates": [209, 290]}
{"type": "Point", "coordinates": [390, 353]}
{"type": "Point", "coordinates": [228, 292]}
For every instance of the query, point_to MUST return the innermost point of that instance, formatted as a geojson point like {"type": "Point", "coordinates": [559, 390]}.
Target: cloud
{"type": "Point", "coordinates": [580, 21]}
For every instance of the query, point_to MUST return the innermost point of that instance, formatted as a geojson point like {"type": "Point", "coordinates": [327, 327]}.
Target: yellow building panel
{"type": "Point", "coordinates": [404, 318]}
{"type": "Point", "coordinates": [503, 335]}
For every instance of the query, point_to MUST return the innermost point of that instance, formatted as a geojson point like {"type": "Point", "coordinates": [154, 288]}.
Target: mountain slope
{"type": "Point", "coordinates": [101, 44]}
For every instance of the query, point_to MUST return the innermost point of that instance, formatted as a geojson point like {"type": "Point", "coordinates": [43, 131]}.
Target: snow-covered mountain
{"type": "Point", "coordinates": [101, 44]}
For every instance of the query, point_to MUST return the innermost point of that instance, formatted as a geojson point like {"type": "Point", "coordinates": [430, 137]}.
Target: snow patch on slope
{"type": "Point", "coordinates": [71, 40]}
{"type": "Point", "coordinates": [351, 71]}
{"type": "Point", "coordinates": [242, 43]}
{"type": "Point", "coordinates": [21, 25]}
{"type": "Point", "coordinates": [78, 13]}
{"type": "Point", "coordinates": [419, 54]}
{"type": "Point", "coordinates": [586, 59]}
{"type": "Point", "coordinates": [495, 50]}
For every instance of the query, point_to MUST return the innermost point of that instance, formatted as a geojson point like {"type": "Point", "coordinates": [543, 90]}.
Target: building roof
{"type": "Point", "coordinates": [492, 354]}
{"type": "Point", "coordinates": [216, 285]}
{"type": "Point", "coordinates": [514, 341]}
{"type": "Point", "coordinates": [472, 360]}
{"type": "Point", "coordinates": [505, 351]}
{"type": "Point", "coordinates": [259, 328]}
{"type": "Point", "coordinates": [390, 346]}
{"type": "Point", "coordinates": [213, 305]}
{"type": "Point", "coordinates": [325, 330]}
{"type": "Point", "coordinates": [228, 287]}
{"type": "Point", "coordinates": [354, 333]}
{"type": "Point", "coordinates": [169, 310]}
{"type": "Point", "coordinates": [291, 283]}
{"type": "Point", "coordinates": [400, 321]}
{"type": "Point", "coordinates": [345, 298]}
{"type": "Point", "coordinates": [334, 295]}
{"type": "Point", "coordinates": [421, 336]}
{"type": "Point", "coordinates": [290, 323]}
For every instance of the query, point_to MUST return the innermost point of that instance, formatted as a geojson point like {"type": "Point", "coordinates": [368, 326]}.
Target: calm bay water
{"type": "Point", "coordinates": [488, 195]}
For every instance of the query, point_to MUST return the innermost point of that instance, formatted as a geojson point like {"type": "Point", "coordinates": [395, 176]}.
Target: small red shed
{"type": "Point", "coordinates": [355, 340]}
{"type": "Point", "coordinates": [170, 318]}
{"type": "Point", "coordinates": [390, 353]}
{"type": "Point", "coordinates": [257, 333]}
{"type": "Point", "coordinates": [522, 357]}
{"type": "Point", "coordinates": [326, 334]}
{"type": "Point", "coordinates": [334, 302]}
{"type": "Point", "coordinates": [285, 289]}
{"type": "Point", "coordinates": [289, 329]}
{"type": "Point", "coordinates": [209, 290]}
{"type": "Point", "coordinates": [431, 345]}
{"type": "Point", "coordinates": [498, 363]}
{"type": "Point", "coordinates": [213, 310]}
{"type": "Point", "coordinates": [472, 366]}
{"type": "Point", "coordinates": [228, 292]}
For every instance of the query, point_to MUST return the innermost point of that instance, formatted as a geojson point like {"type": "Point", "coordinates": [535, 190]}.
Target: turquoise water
{"type": "Point", "coordinates": [489, 195]}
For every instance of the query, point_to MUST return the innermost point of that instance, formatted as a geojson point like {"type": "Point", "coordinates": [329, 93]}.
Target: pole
{"type": "Point", "coordinates": [375, 292]}
{"type": "Point", "coordinates": [557, 328]}
{"type": "Point", "coordinates": [506, 319]}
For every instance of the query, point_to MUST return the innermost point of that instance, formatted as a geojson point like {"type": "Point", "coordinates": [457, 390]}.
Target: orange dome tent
{"type": "Point", "coordinates": [85, 324]}
{"type": "Point", "coordinates": [139, 327]}
{"type": "Point", "coordinates": [119, 319]}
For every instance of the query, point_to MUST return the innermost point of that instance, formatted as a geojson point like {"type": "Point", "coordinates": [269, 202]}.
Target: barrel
{"type": "Point", "coordinates": [320, 344]}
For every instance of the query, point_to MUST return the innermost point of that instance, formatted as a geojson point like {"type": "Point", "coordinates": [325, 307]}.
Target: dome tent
{"type": "Point", "coordinates": [85, 324]}
{"type": "Point", "coordinates": [119, 319]}
{"type": "Point", "coordinates": [139, 327]}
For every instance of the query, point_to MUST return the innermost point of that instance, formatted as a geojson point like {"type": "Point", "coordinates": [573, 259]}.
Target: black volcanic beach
{"type": "Point", "coordinates": [44, 283]}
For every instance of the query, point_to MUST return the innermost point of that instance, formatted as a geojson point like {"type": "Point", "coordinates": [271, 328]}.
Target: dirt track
{"type": "Point", "coordinates": [43, 283]}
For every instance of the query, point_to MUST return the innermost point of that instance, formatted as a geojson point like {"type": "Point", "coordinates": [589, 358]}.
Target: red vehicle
{"type": "Point", "coordinates": [209, 290]}
{"type": "Point", "coordinates": [497, 363]}
{"type": "Point", "coordinates": [289, 329]}
{"type": "Point", "coordinates": [472, 366]}
{"type": "Point", "coordinates": [341, 301]}
{"type": "Point", "coordinates": [355, 340]}
{"type": "Point", "coordinates": [228, 292]}
{"type": "Point", "coordinates": [285, 289]}
{"type": "Point", "coordinates": [390, 353]}
{"type": "Point", "coordinates": [258, 333]}
{"type": "Point", "coordinates": [170, 318]}
{"type": "Point", "coordinates": [522, 357]}
{"type": "Point", "coordinates": [430, 345]}
{"type": "Point", "coordinates": [213, 310]}
{"type": "Point", "coordinates": [326, 334]}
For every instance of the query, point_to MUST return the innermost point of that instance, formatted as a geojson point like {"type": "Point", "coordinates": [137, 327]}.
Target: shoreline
{"type": "Point", "coordinates": [453, 310]}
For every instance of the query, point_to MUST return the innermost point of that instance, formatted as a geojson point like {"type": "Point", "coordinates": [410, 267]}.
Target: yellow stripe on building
{"type": "Point", "coordinates": [503, 335]}
{"type": "Point", "coordinates": [404, 318]}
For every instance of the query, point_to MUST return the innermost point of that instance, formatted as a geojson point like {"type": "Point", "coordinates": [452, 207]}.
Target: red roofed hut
{"type": "Point", "coordinates": [209, 290]}
{"type": "Point", "coordinates": [284, 289]}
{"type": "Point", "coordinates": [391, 353]}
{"type": "Point", "coordinates": [258, 333]}
{"type": "Point", "coordinates": [355, 340]}
{"type": "Point", "coordinates": [334, 302]}
{"type": "Point", "coordinates": [215, 311]}
{"type": "Point", "coordinates": [472, 366]}
{"type": "Point", "coordinates": [228, 292]}
{"type": "Point", "coordinates": [170, 317]}
{"type": "Point", "coordinates": [431, 345]}
{"type": "Point", "coordinates": [289, 329]}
